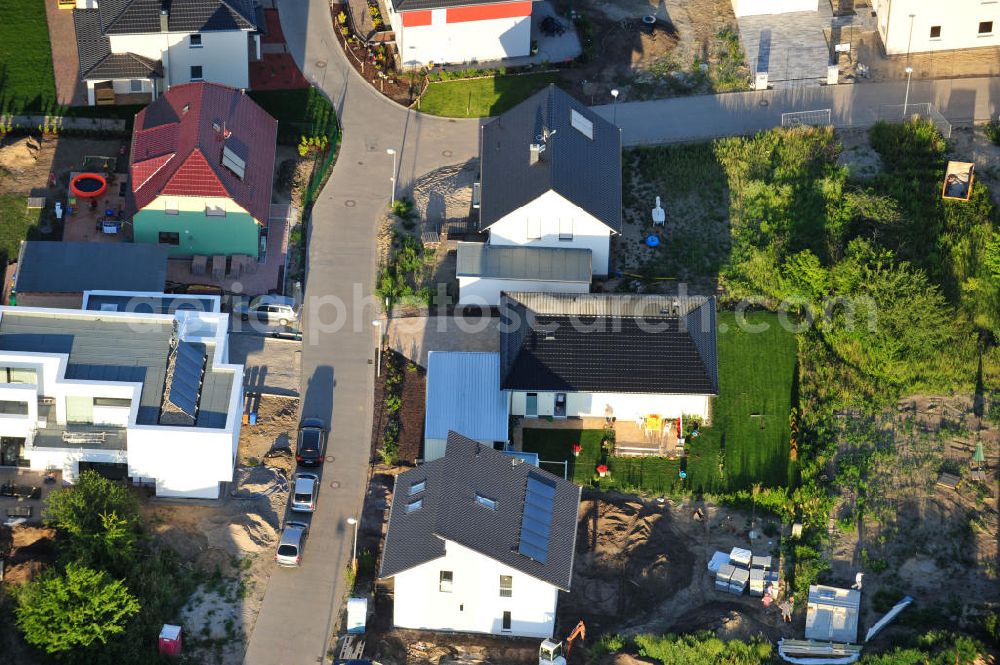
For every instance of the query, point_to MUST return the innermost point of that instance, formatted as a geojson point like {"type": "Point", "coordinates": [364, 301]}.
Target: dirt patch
{"type": "Point", "coordinates": [31, 550]}
{"type": "Point", "coordinates": [858, 156]}
{"type": "Point", "coordinates": [445, 194]}
{"type": "Point", "coordinates": [414, 647]}
{"type": "Point", "coordinates": [29, 161]}
{"type": "Point", "coordinates": [409, 417]}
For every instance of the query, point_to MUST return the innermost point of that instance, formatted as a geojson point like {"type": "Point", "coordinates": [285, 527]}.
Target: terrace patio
{"type": "Point", "coordinates": [646, 438]}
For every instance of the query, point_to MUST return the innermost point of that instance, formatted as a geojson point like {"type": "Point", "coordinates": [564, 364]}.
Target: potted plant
{"type": "Point", "coordinates": [576, 449]}
{"type": "Point", "coordinates": [602, 470]}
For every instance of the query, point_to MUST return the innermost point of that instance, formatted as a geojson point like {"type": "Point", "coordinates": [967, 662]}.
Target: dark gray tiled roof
{"type": "Point", "coordinates": [416, 5]}
{"type": "Point", "coordinates": [554, 264]}
{"type": "Point", "coordinates": [125, 66]}
{"type": "Point", "coordinates": [92, 45]}
{"type": "Point", "coordinates": [450, 512]}
{"type": "Point", "coordinates": [608, 343]}
{"type": "Point", "coordinates": [75, 267]}
{"type": "Point", "coordinates": [585, 171]}
{"type": "Point", "coordinates": [120, 17]}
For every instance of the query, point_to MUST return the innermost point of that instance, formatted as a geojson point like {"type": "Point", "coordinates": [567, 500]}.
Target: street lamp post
{"type": "Point", "coordinates": [392, 198]}
{"type": "Point", "coordinates": [354, 550]}
{"type": "Point", "coordinates": [906, 99]}
{"type": "Point", "coordinates": [614, 107]}
{"type": "Point", "coordinates": [378, 348]}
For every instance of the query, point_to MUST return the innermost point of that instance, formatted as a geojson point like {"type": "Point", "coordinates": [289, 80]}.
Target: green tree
{"type": "Point", "coordinates": [61, 613]}
{"type": "Point", "coordinates": [99, 520]}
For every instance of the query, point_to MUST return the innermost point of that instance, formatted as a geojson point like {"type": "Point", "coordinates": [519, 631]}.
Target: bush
{"type": "Point", "coordinates": [992, 131]}
{"type": "Point", "coordinates": [62, 614]}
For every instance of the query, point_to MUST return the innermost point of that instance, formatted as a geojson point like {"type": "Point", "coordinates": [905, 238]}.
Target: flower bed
{"type": "Point", "coordinates": [376, 61]}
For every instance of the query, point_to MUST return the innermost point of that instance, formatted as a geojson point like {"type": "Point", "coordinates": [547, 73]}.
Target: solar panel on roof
{"type": "Point", "coordinates": [234, 162]}
{"type": "Point", "coordinates": [536, 521]}
{"type": "Point", "coordinates": [189, 371]}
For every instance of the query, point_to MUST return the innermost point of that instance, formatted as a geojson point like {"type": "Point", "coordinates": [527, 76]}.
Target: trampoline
{"type": "Point", "coordinates": [88, 185]}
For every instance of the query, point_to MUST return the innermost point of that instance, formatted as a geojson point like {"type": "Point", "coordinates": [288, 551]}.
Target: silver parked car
{"type": "Point", "coordinates": [305, 492]}
{"type": "Point", "coordinates": [269, 309]}
{"type": "Point", "coordinates": [293, 539]}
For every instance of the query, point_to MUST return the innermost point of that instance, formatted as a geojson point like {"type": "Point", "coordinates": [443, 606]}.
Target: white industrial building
{"type": "Point", "coordinates": [131, 51]}
{"type": "Point", "coordinates": [135, 385]}
{"type": "Point", "coordinates": [480, 542]}
{"type": "Point", "coordinates": [920, 26]}
{"type": "Point", "coordinates": [463, 395]}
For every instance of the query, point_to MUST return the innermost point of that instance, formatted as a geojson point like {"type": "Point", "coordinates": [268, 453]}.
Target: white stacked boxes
{"type": "Point", "coordinates": [758, 579]}
{"type": "Point", "coordinates": [738, 581]}
{"type": "Point", "coordinates": [723, 576]}
{"type": "Point", "coordinates": [740, 557]}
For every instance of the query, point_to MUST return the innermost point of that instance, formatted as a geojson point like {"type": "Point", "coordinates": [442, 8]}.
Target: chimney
{"type": "Point", "coordinates": [536, 150]}
{"type": "Point", "coordinates": [164, 18]}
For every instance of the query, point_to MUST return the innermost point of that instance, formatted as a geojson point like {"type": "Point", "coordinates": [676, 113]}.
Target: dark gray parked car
{"type": "Point", "coordinates": [311, 445]}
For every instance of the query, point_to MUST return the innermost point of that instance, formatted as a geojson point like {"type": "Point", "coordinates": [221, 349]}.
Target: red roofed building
{"type": "Point", "coordinates": [201, 171]}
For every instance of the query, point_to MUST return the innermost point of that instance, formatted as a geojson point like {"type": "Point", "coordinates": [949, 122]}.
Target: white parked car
{"type": "Point", "coordinates": [269, 309]}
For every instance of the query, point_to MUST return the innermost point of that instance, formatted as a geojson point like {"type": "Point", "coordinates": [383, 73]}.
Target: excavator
{"type": "Point", "coordinates": [551, 653]}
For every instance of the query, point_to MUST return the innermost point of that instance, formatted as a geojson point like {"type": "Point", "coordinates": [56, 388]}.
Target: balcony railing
{"type": "Point", "coordinates": [90, 437]}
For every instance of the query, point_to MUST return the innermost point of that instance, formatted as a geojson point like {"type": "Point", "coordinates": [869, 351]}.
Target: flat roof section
{"type": "Point", "coordinates": [463, 395]}
{"type": "Point", "coordinates": [75, 267]}
{"type": "Point", "coordinates": [832, 614]}
{"type": "Point", "coordinates": [545, 264]}
{"type": "Point", "coordinates": [126, 350]}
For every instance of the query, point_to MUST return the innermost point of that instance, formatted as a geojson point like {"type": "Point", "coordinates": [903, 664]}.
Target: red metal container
{"type": "Point", "coordinates": [170, 640]}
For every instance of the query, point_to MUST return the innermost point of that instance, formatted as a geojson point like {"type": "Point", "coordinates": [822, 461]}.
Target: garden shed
{"type": "Point", "coordinates": [832, 614]}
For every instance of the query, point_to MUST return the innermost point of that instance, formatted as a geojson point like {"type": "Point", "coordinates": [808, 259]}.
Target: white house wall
{"type": "Point", "coordinates": [755, 7]}
{"type": "Point", "coordinates": [546, 211]}
{"type": "Point", "coordinates": [474, 605]}
{"type": "Point", "coordinates": [463, 42]}
{"type": "Point", "coordinates": [485, 291]}
{"type": "Point", "coordinates": [625, 406]}
{"type": "Point", "coordinates": [959, 23]}
{"type": "Point", "coordinates": [223, 55]}
{"type": "Point", "coordinates": [165, 453]}
{"type": "Point", "coordinates": [68, 460]}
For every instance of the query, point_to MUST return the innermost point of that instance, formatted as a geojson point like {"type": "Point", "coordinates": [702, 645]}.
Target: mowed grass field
{"type": "Point", "coordinates": [757, 371]}
{"type": "Point", "coordinates": [476, 98]}
{"type": "Point", "coordinates": [17, 223]}
{"type": "Point", "coordinates": [26, 79]}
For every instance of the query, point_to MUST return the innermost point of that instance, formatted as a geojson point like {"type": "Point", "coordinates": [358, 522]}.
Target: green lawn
{"type": "Point", "coordinates": [750, 422]}
{"type": "Point", "coordinates": [300, 112]}
{"type": "Point", "coordinates": [18, 223]}
{"type": "Point", "coordinates": [476, 98]}
{"type": "Point", "coordinates": [26, 79]}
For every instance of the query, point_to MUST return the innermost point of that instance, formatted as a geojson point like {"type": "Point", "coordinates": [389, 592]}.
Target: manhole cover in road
{"type": "Point", "coordinates": [764, 102]}
{"type": "Point", "coordinates": [321, 63]}
{"type": "Point", "coordinates": [331, 459]}
{"type": "Point", "coordinates": [350, 203]}
{"type": "Point", "coordinates": [334, 484]}
{"type": "Point", "coordinates": [446, 153]}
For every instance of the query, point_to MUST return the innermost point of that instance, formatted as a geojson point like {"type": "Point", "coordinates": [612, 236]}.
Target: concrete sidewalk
{"type": "Point", "coordinates": [704, 117]}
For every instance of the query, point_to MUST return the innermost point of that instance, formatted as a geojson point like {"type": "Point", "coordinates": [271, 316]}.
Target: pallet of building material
{"type": "Point", "coordinates": [761, 561]}
{"type": "Point", "coordinates": [740, 557]}
{"type": "Point", "coordinates": [723, 576]}
{"type": "Point", "coordinates": [948, 481]}
{"type": "Point", "coordinates": [958, 178]}
{"type": "Point", "coordinates": [718, 560]}
{"type": "Point", "coordinates": [758, 579]}
{"type": "Point", "coordinates": [738, 582]}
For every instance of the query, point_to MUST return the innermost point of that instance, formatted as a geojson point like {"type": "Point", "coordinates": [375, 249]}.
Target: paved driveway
{"type": "Point", "coordinates": [790, 47]}
{"type": "Point", "coordinates": [300, 606]}
{"type": "Point", "coordinates": [414, 337]}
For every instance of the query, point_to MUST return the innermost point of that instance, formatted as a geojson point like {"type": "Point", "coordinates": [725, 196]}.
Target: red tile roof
{"type": "Point", "coordinates": [177, 150]}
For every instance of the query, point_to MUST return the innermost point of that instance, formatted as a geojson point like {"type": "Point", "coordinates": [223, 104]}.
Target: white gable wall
{"type": "Point", "coordinates": [223, 56]}
{"type": "Point", "coordinates": [474, 604]}
{"type": "Point", "coordinates": [958, 23]}
{"type": "Point", "coordinates": [625, 406]}
{"type": "Point", "coordinates": [544, 217]}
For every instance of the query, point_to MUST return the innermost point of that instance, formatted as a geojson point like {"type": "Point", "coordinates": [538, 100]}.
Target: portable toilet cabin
{"type": "Point", "coordinates": [170, 640]}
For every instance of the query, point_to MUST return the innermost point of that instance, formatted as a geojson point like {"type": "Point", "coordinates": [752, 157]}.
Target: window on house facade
{"type": "Point", "coordinates": [534, 228]}
{"type": "Point", "coordinates": [170, 206]}
{"type": "Point", "coordinates": [13, 408]}
{"type": "Point", "coordinates": [935, 32]}
{"type": "Point", "coordinates": [986, 27]}
{"type": "Point", "coordinates": [18, 375]}
{"type": "Point", "coordinates": [79, 409]}
{"type": "Point", "coordinates": [215, 210]}
{"type": "Point", "coordinates": [135, 85]}
{"type": "Point", "coordinates": [120, 402]}
{"type": "Point", "coordinates": [505, 622]}
{"type": "Point", "coordinates": [195, 41]}
{"type": "Point", "coordinates": [169, 238]}
{"type": "Point", "coordinates": [506, 586]}
{"type": "Point", "coordinates": [196, 72]}
{"type": "Point", "coordinates": [445, 581]}
{"type": "Point", "coordinates": [565, 228]}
